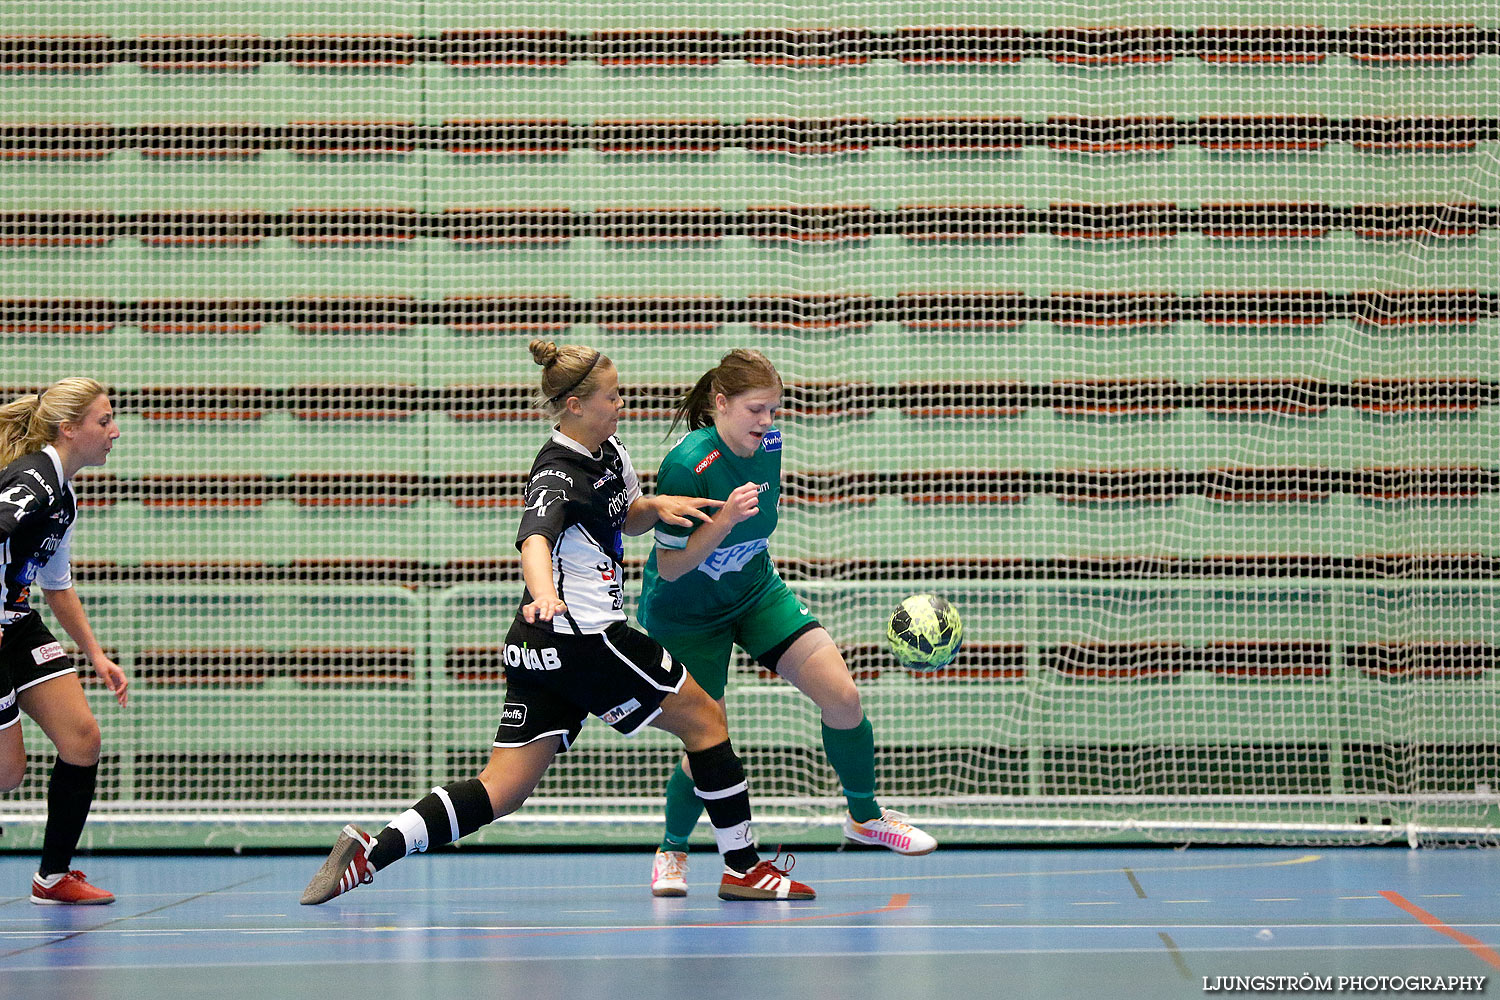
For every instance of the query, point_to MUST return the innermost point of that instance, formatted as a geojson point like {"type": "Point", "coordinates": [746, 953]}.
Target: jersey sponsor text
{"type": "Point", "coordinates": [733, 558]}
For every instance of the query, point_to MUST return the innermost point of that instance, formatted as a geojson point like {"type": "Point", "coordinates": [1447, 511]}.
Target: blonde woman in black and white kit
{"type": "Point", "coordinates": [569, 653]}
{"type": "Point", "coordinates": [44, 440]}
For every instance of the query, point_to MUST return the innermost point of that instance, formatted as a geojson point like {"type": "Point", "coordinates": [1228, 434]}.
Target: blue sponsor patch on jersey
{"type": "Point", "coordinates": [771, 440]}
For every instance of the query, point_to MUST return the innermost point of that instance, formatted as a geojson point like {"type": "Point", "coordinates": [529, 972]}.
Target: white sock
{"type": "Point", "coordinates": [734, 838]}
{"type": "Point", "coordinates": [413, 829]}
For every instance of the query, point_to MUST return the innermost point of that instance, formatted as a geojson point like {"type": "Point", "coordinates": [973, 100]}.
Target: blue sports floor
{"type": "Point", "coordinates": [957, 924]}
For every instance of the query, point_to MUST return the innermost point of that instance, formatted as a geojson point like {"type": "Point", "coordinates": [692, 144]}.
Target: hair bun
{"type": "Point", "coordinates": [544, 352]}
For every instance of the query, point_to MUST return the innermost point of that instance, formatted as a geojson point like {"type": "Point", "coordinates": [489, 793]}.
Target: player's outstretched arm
{"type": "Point", "coordinates": [685, 512]}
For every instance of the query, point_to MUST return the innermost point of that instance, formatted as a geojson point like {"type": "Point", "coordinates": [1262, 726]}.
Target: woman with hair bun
{"type": "Point", "coordinates": [45, 438]}
{"type": "Point", "coordinates": [569, 653]}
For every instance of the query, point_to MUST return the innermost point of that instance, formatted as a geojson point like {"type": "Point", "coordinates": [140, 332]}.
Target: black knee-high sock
{"type": "Point", "coordinates": [720, 780]}
{"type": "Point", "coordinates": [70, 793]}
{"type": "Point", "coordinates": [442, 816]}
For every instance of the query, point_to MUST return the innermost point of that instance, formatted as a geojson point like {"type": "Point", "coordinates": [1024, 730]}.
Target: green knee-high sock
{"type": "Point", "coordinates": [683, 809]}
{"type": "Point", "coordinates": [852, 754]}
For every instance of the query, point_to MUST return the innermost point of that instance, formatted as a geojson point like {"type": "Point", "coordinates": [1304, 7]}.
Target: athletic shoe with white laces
{"type": "Point", "coordinates": [347, 866]}
{"type": "Point", "coordinates": [669, 873]}
{"type": "Point", "coordinates": [765, 881]}
{"type": "Point", "coordinates": [891, 829]}
{"type": "Point", "coordinates": [67, 889]}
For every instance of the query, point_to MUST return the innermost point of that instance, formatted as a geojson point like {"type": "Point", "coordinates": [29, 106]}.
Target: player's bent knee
{"type": "Point", "coordinates": [11, 775]}
{"type": "Point", "coordinates": [709, 712]}
{"type": "Point", "coordinates": [845, 711]}
{"type": "Point", "coordinates": [693, 717]}
{"type": "Point", "coordinates": [81, 744]}
{"type": "Point", "coordinates": [504, 801]}
{"type": "Point", "coordinates": [507, 793]}
{"type": "Point", "coordinates": [12, 757]}
{"type": "Point", "coordinates": [513, 773]}
{"type": "Point", "coordinates": [711, 730]}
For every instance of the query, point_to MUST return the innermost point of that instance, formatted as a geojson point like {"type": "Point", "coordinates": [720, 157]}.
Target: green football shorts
{"type": "Point", "coordinates": [765, 631]}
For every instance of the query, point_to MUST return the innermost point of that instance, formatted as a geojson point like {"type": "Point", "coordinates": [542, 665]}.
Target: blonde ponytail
{"type": "Point", "coordinates": [31, 422]}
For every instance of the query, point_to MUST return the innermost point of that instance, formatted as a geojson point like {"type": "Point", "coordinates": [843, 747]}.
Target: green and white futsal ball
{"type": "Point", "coordinates": [924, 632]}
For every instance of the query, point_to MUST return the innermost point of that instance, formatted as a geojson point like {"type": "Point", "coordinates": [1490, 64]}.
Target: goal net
{"type": "Point", "coordinates": [1159, 337]}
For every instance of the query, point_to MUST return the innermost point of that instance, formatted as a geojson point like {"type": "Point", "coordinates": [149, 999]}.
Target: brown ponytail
{"type": "Point", "coordinates": [739, 371]}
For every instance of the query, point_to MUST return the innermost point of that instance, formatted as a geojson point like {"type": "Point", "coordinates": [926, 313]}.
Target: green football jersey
{"type": "Point", "coordinates": [736, 573]}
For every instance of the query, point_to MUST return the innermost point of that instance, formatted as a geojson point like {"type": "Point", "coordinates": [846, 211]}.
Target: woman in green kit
{"type": "Point", "coordinates": [711, 587]}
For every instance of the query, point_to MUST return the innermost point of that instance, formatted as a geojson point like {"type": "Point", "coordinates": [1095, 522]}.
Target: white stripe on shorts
{"type": "Point", "coordinates": [666, 664]}
{"type": "Point", "coordinates": [60, 673]}
{"type": "Point", "coordinates": [539, 736]}
{"type": "Point", "coordinates": [649, 719]}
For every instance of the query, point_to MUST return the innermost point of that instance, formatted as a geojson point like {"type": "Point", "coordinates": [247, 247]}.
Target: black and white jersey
{"type": "Point", "coordinates": [578, 501]}
{"type": "Point", "coordinates": [37, 513]}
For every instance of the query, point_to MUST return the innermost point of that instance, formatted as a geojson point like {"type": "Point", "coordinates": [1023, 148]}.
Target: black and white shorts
{"type": "Point", "coordinates": [554, 681]}
{"type": "Point", "coordinates": [29, 654]}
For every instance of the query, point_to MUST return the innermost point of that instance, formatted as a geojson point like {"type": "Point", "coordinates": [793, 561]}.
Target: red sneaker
{"type": "Point", "coordinates": [70, 889]}
{"type": "Point", "coordinates": [347, 866]}
{"type": "Point", "coordinates": [764, 881]}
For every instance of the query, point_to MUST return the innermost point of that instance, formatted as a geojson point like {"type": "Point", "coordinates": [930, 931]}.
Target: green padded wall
{"type": "Point", "coordinates": [1226, 563]}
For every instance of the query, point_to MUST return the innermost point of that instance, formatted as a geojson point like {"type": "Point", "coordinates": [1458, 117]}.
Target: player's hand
{"type": "Point", "coordinates": [542, 610]}
{"type": "Point", "coordinates": [114, 678]}
{"type": "Point", "coordinates": [743, 504]}
{"type": "Point", "coordinates": [681, 510]}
